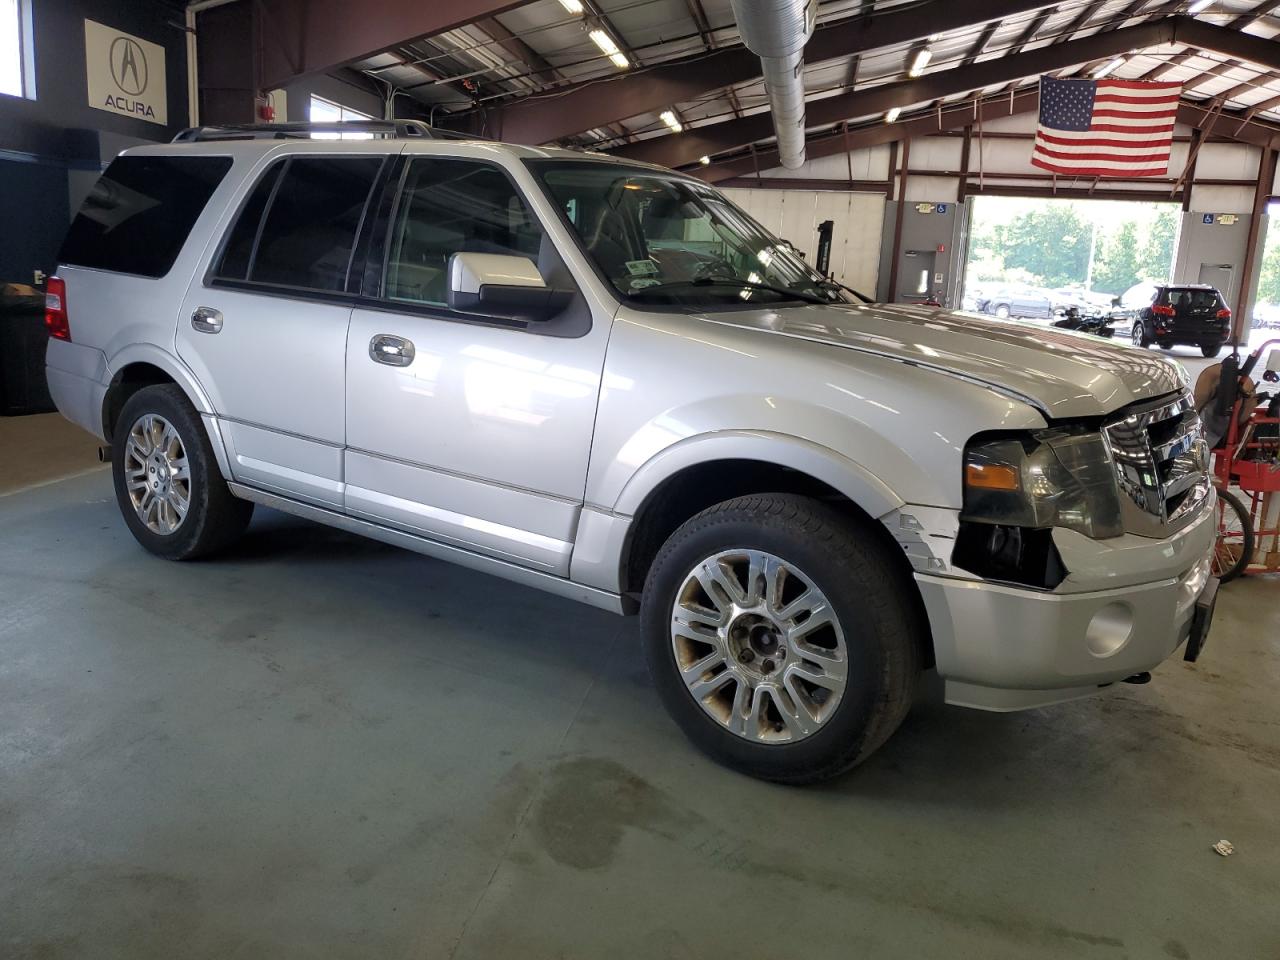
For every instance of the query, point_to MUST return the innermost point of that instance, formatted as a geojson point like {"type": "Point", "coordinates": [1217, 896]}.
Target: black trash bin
{"type": "Point", "coordinates": [23, 338]}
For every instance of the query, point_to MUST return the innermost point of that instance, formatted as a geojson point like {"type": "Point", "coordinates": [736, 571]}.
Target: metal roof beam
{"type": "Point", "coordinates": [313, 36]}
{"type": "Point", "coordinates": [957, 117]}
{"type": "Point", "coordinates": [716, 138]}
{"type": "Point", "coordinates": [585, 106]}
{"type": "Point", "coordinates": [711, 139]}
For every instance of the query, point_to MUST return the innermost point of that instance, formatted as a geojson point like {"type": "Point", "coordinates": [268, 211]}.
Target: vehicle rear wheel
{"type": "Point", "coordinates": [1210, 349]}
{"type": "Point", "coordinates": [782, 637]}
{"type": "Point", "coordinates": [1140, 336]}
{"type": "Point", "coordinates": [167, 480]}
{"type": "Point", "coordinates": [1233, 548]}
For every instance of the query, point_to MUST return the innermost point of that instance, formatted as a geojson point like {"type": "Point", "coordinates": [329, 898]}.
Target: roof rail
{"type": "Point", "coordinates": [392, 129]}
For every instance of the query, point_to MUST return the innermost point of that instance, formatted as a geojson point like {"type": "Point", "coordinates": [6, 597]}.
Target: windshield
{"type": "Point", "coordinates": [664, 240]}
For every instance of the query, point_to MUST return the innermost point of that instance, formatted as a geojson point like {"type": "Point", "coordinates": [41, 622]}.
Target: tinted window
{"type": "Point", "coordinates": [1193, 298]}
{"type": "Point", "coordinates": [448, 207]}
{"type": "Point", "coordinates": [310, 227]}
{"type": "Point", "coordinates": [238, 253]}
{"type": "Point", "coordinates": [137, 216]}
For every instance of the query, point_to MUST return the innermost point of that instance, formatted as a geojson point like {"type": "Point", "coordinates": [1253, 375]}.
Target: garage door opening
{"type": "Point", "coordinates": [1266, 308]}
{"type": "Point", "coordinates": [1034, 257]}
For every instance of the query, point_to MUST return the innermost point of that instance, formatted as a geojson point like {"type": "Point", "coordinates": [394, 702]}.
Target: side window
{"type": "Point", "coordinates": [301, 231]}
{"type": "Point", "coordinates": [238, 253]}
{"type": "Point", "coordinates": [447, 207]}
{"type": "Point", "coordinates": [137, 216]}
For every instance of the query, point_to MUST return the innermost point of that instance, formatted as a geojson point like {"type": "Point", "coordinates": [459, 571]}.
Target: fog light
{"type": "Point", "coordinates": [1110, 629]}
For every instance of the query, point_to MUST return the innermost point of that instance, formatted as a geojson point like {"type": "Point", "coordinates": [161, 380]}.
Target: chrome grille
{"type": "Point", "coordinates": [1161, 462]}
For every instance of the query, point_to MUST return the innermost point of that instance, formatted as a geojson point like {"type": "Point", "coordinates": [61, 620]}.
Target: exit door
{"type": "Point", "coordinates": [1218, 275]}
{"type": "Point", "coordinates": [915, 278]}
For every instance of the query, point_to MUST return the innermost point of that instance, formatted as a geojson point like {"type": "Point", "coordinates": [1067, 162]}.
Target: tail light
{"type": "Point", "coordinates": [1224, 314]}
{"type": "Point", "coordinates": [1162, 311]}
{"type": "Point", "coordinates": [55, 309]}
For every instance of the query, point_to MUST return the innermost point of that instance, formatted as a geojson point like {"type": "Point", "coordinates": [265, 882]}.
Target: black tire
{"type": "Point", "coordinates": [1002, 311]}
{"type": "Point", "coordinates": [1231, 557]}
{"type": "Point", "coordinates": [1210, 349]}
{"type": "Point", "coordinates": [874, 600]}
{"type": "Point", "coordinates": [214, 517]}
{"type": "Point", "coordinates": [1141, 338]}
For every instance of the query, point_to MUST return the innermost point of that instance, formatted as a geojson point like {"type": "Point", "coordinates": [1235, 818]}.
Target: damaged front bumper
{"type": "Point", "coordinates": [1126, 605]}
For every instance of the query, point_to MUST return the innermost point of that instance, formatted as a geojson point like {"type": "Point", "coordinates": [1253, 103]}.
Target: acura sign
{"type": "Point", "coordinates": [126, 73]}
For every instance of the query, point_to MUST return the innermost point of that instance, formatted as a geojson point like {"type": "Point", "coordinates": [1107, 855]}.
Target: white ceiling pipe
{"type": "Point", "coordinates": [776, 32]}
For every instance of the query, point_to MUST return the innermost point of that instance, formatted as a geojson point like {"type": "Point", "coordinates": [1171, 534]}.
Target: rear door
{"type": "Point", "coordinates": [265, 330]}
{"type": "Point", "coordinates": [1195, 311]}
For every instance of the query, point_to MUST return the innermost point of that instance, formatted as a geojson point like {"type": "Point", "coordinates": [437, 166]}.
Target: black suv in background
{"type": "Point", "coordinates": [1191, 313]}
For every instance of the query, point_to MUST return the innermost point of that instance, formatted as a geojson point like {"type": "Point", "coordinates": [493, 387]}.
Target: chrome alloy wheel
{"type": "Point", "coordinates": [758, 646]}
{"type": "Point", "coordinates": [156, 474]}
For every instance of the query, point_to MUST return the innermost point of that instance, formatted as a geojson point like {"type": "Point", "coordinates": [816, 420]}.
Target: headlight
{"type": "Point", "coordinates": [1057, 477]}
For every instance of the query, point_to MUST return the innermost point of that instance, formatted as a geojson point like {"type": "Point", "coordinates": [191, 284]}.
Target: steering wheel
{"type": "Point", "coordinates": [711, 268]}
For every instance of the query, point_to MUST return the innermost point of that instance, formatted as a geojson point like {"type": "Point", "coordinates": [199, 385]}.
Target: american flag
{"type": "Point", "coordinates": [1105, 128]}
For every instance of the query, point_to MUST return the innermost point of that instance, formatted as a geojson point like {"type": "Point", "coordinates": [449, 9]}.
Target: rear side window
{"type": "Point", "coordinates": [137, 216]}
{"type": "Point", "coordinates": [299, 226]}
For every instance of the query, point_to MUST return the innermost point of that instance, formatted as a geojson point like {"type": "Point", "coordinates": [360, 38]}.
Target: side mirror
{"type": "Point", "coordinates": [500, 285]}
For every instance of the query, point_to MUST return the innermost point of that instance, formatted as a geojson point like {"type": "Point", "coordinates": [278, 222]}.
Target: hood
{"type": "Point", "coordinates": [1061, 373]}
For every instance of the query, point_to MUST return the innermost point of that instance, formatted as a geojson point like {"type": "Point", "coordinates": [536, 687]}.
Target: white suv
{"type": "Point", "coordinates": [604, 380]}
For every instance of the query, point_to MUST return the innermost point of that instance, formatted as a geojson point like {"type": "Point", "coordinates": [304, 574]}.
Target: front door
{"type": "Point", "coordinates": [266, 333]}
{"type": "Point", "coordinates": [481, 439]}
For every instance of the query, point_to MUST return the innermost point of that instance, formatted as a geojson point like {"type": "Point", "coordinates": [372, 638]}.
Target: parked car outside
{"type": "Point", "coordinates": [1266, 316]}
{"type": "Point", "coordinates": [1019, 302]}
{"type": "Point", "coordinates": [510, 358]}
{"type": "Point", "coordinates": [1192, 314]}
{"type": "Point", "coordinates": [1086, 301]}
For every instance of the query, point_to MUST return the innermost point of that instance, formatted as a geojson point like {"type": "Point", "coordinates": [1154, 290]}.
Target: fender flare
{"type": "Point", "coordinates": [860, 485]}
{"type": "Point", "coordinates": [181, 375]}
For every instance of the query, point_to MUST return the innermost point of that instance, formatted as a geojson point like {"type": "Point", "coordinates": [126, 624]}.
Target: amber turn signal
{"type": "Point", "coordinates": [990, 477]}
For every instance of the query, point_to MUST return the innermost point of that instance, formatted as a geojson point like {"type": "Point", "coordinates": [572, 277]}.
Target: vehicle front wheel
{"type": "Point", "coordinates": [1210, 349]}
{"type": "Point", "coordinates": [1002, 311]}
{"type": "Point", "coordinates": [1140, 336]}
{"type": "Point", "coordinates": [783, 637]}
{"type": "Point", "coordinates": [167, 480]}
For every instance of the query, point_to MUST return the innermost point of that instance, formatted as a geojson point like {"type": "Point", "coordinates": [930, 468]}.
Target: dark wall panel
{"type": "Point", "coordinates": [43, 141]}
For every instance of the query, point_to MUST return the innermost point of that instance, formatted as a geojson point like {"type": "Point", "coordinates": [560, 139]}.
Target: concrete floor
{"type": "Point", "coordinates": [322, 747]}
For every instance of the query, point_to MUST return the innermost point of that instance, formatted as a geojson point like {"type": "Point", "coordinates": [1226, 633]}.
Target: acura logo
{"type": "Point", "coordinates": [128, 66]}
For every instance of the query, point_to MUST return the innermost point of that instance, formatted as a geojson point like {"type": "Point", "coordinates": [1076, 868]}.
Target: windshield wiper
{"type": "Point", "coordinates": [734, 282]}
{"type": "Point", "coordinates": [832, 283]}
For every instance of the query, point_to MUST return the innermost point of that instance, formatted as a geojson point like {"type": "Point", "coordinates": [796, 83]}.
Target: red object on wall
{"type": "Point", "coordinates": [942, 248]}
{"type": "Point", "coordinates": [266, 112]}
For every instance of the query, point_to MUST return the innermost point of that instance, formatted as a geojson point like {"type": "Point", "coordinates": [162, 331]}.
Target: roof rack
{"type": "Point", "coordinates": [391, 129]}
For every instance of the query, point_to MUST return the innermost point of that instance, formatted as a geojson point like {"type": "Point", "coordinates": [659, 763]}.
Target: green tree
{"type": "Point", "coordinates": [1269, 279]}
{"type": "Point", "coordinates": [1119, 263]}
{"type": "Point", "coordinates": [1156, 260]}
{"type": "Point", "coordinates": [1051, 245]}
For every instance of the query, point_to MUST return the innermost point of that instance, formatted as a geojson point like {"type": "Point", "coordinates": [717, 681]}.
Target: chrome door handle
{"type": "Point", "coordinates": [206, 320]}
{"type": "Point", "coordinates": [391, 350]}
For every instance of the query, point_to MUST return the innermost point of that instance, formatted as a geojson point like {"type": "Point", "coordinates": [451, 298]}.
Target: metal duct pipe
{"type": "Point", "coordinates": [776, 31]}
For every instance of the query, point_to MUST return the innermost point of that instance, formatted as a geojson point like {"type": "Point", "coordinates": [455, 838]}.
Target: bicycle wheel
{"type": "Point", "coordinates": [1233, 548]}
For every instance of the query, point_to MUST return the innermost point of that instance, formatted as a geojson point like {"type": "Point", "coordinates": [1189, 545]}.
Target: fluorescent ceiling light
{"type": "Point", "coordinates": [919, 63]}
{"type": "Point", "coordinates": [892, 115]}
{"type": "Point", "coordinates": [1108, 68]}
{"type": "Point", "coordinates": [704, 160]}
{"type": "Point", "coordinates": [1198, 6]}
{"type": "Point", "coordinates": [610, 49]}
{"type": "Point", "coordinates": [573, 6]}
{"type": "Point", "coordinates": [669, 118]}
